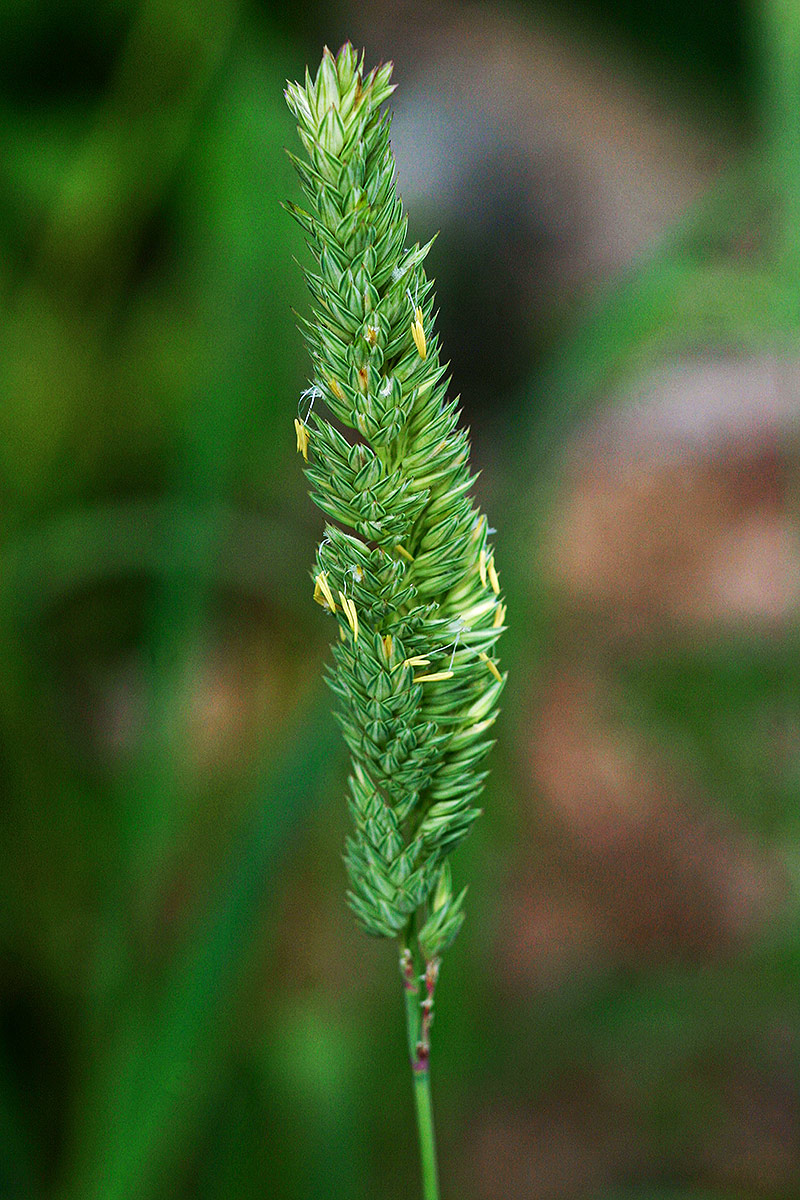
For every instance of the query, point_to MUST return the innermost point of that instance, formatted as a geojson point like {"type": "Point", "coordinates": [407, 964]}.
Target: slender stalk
{"type": "Point", "coordinates": [427, 1141]}
{"type": "Point", "coordinates": [418, 1052]}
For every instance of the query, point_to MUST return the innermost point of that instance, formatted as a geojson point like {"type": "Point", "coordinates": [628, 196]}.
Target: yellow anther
{"type": "Point", "coordinates": [482, 567]}
{"type": "Point", "coordinates": [499, 616]}
{"type": "Point", "coordinates": [336, 389]}
{"type": "Point", "coordinates": [480, 726]}
{"type": "Point", "coordinates": [371, 335]}
{"type": "Point", "coordinates": [349, 610]}
{"type": "Point", "coordinates": [388, 643]}
{"type": "Point", "coordinates": [322, 592]}
{"type": "Point", "coordinates": [416, 662]}
{"type": "Point", "coordinates": [302, 437]}
{"type": "Point", "coordinates": [478, 529]}
{"type": "Point", "coordinates": [402, 550]}
{"type": "Point", "coordinates": [492, 573]}
{"type": "Point", "coordinates": [436, 675]}
{"type": "Point", "coordinates": [492, 667]}
{"type": "Point", "coordinates": [418, 334]}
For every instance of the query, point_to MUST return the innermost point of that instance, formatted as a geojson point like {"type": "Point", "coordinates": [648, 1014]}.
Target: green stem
{"type": "Point", "coordinates": [427, 1140]}
{"type": "Point", "coordinates": [418, 1056]}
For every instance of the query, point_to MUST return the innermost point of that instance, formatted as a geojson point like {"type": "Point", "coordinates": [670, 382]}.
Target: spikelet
{"type": "Point", "coordinates": [406, 551]}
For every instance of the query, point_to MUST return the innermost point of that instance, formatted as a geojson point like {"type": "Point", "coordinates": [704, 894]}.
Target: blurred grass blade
{"type": "Point", "coordinates": [779, 22]}
{"type": "Point", "coordinates": [689, 285]}
{"type": "Point", "coordinates": [163, 1062]}
{"type": "Point", "coordinates": [135, 143]}
{"type": "Point", "coordinates": [82, 547]}
{"type": "Point", "coordinates": [18, 1173]}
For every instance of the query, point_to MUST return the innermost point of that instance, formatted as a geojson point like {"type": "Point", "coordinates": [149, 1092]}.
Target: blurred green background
{"type": "Point", "coordinates": [186, 1006]}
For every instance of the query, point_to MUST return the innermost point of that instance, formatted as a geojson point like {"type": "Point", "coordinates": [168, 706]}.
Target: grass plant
{"type": "Point", "coordinates": [407, 570]}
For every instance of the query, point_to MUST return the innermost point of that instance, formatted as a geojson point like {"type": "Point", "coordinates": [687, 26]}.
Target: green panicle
{"type": "Point", "coordinates": [407, 571]}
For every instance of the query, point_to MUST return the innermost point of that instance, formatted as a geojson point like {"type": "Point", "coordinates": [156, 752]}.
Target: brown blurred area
{"type": "Point", "coordinates": [675, 524]}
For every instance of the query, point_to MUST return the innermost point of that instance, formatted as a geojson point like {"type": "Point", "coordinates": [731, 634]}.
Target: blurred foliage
{"type": "Point", "coordinates": [708, 41]}
{"type": "Point", "coordinates": [185, 1007]}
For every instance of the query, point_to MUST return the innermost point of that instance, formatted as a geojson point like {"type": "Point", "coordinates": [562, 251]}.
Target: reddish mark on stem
{"type": "Point", "coordinates": [431, 977]}
{"type": "Point", "coordinates": [407, 971]}
{"type": "Point", "coordinates": [424, 1044]}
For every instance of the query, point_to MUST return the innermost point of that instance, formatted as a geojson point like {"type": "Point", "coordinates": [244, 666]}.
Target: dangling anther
{"type": "Point", "coordinates": [484, 657]}
{"type": "Point", "coordinates": [302, 437]}
{"type": "Point", "coordinates": [418, 334]}
{"type": "Point", "coordinates": [349, 610]}
{"type": "Point", "coordinates": [322, 592]}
